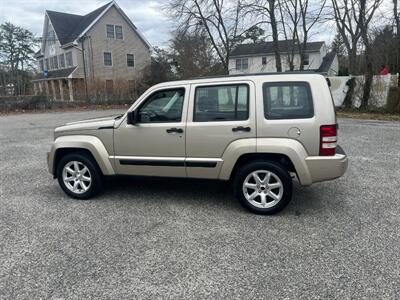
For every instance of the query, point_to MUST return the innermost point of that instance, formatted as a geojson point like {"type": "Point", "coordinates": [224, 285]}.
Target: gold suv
{"type": "Point", "coordinates": [258, 131]}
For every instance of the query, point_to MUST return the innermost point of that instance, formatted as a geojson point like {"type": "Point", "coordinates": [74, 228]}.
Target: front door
{"type": "Point", "coordinates": [155, 146]}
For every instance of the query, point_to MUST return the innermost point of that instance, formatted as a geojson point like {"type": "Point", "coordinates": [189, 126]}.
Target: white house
{"type": "Point", "coordinates": [260, 58]}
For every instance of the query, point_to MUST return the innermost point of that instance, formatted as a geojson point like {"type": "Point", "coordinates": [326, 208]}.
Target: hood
{"type": "Point", "coordinates": [90, 124]}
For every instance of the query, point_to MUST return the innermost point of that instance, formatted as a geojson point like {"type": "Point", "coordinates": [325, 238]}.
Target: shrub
{"type": "Point", "coordinates": [393, 101]}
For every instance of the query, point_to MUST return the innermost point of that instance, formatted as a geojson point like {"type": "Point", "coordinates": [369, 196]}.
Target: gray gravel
{"type": "Point", "coordinates": [146, 238]}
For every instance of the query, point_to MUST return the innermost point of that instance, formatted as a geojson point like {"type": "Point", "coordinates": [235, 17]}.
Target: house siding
{"type": "Point", "coordinates": [97, 43]}
{"type": "Point", "coordinates": [256, 66]}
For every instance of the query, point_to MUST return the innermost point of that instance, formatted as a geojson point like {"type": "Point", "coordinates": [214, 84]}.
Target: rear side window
{"type": "Point", "coordinates": [287, 100]}
{"type": "Point", "coordinates": [221, 103]}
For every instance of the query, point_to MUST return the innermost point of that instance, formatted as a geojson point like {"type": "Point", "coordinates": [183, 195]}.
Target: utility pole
{"type": "Point", "coordinates": [82, 40]}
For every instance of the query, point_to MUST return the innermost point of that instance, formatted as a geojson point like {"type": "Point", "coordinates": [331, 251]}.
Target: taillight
{"type": "Point", "coordinates": [328, 140]}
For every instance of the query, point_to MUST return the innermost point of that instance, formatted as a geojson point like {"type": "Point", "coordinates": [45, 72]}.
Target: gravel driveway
{"type": "Point", "coordinates": [147, 238]}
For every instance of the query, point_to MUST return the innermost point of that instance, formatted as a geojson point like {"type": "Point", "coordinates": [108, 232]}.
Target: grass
{"type": "Point", "coordinates": [382, 116]}
{"type": "Point", "coordinates": [65, 108]}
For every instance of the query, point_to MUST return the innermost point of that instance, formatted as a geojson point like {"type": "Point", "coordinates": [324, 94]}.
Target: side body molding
{"type": "Point", "coordinates": [88, 142]}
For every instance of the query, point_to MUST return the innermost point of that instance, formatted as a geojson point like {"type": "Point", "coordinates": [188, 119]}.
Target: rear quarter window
{"type": "Point", "coordinates": [287, 100]}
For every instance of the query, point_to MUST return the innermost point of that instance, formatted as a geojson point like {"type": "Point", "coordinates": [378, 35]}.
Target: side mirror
{"type": "Point", "coordinates": [132, 117]}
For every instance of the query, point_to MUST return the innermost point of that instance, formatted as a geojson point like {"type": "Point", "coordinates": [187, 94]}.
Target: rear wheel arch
{"type": "Point", "coordinates": [247, 158]}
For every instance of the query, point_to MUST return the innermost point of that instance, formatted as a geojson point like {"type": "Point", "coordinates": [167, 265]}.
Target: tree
{"type": "Point", "coordinates": [396, 15]}
{"type": "Point", "coordinates": [191, 54]}
{"type": "Point", "coordinates": [352, 19]}
{"type": "Point", "coordinates": [159, 70]}
{"type": "Point", "coordinates": [221, 20]}
{"type": "Point", "coordinates": [16, 53]}
{"type": "Point", "coordinates": [266, 11]}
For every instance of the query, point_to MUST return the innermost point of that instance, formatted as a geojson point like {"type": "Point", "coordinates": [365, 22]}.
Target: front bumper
{"type": "Point", "coordinates": [322, 168]}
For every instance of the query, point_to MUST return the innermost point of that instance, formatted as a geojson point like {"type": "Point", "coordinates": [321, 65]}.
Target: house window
{"type": "Point", "coordinates": [242, 63]}
{"type": "Point", "coordinates": [110, 31]}
{"type": "Point", "coordinates": [51, 63]}
{"type": "Point", "coordinates": [47, 63]}
{"type": "Point", "coordinates": [118, 32]}
{"type": "Point", "coordinates": [68, 58]}
{"type": "Point", "coordinates": [130, 60]}
{"type": "Point", "coordinates": [107, 59]}
{"type": "Point", "coordinates": [55, 62]}
{"type": "Point", "coordinates": [287, 100]}
{"type": "Point", "coordinates": [61, 61]}
{"type": "Point", "coordinates": [221, 103]}
{"type": "Point", "coordinates": [41, 66]}
{"type": "Point", "coordinates": [51, 37]}
{"type": "Point", "coordinates": [306, 59]}
{"type": "Point", "coordinates": [264, 60]}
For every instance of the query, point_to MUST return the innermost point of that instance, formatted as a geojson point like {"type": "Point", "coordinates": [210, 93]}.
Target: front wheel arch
{"type": "Point", "coordinates": [62, 152]}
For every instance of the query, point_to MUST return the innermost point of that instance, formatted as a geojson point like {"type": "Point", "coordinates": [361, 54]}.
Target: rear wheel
{"type": "Point", "coordinates": [263, 187]}
{"type": "Point", "coordinates": [79, 176]}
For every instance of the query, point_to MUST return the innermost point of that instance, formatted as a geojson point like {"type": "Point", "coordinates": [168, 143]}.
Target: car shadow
{"type": "Point", "coordinates": [305, 200]}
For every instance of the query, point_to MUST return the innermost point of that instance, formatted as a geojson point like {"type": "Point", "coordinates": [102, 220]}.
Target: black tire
{"type": "Point", "coordinates": [279, 171]}
{"type": "Point", "coordinates": [96, 184]}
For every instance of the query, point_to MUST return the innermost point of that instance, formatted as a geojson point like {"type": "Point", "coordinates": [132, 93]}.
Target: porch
{"type": "Point", "coordinates": [59, 85]}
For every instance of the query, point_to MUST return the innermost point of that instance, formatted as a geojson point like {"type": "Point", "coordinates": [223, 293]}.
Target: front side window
{"type": "Point", "coordinates": [287, 100]}
{"type": "Point", "coordinates": [107, 59]}
{"type": "Point", "coordinates": [110, 31]}
{"type": "Point", "coordinates": [242, 63]}
{"type": "Point", "coordinates": [61, 61]}
{"type": "Point", "coordinates": [221, 103]}
{"type": "Point", "coordinates": [68, 58]}
{"type": "Point", "coordinates": [118, 32]}
{"type": "Point", "coordinates": [162, 107]}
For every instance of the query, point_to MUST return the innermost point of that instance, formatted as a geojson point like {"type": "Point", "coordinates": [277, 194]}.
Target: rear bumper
{"type": "Point", "coordinates": [322, 168]}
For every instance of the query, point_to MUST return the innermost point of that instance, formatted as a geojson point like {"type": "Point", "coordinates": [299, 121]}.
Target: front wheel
{"type": "Point", "coordinates": [79, 176]}
{"type": "Point", "coordinates": [263, 187]}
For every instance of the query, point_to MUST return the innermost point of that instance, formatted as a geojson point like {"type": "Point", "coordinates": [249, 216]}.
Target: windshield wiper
{"type": "Point", "coordinates": [118, 117]}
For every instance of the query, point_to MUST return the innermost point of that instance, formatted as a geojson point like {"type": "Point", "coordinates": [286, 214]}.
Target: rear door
{"type": "Point", "coordinates": [287, 111]}
{"type": "Point", "coordinates": [219, 114]}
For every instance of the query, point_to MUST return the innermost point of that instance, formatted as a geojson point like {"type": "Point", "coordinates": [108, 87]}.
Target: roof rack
{"type": "Point", "coordinates": [257, 74]}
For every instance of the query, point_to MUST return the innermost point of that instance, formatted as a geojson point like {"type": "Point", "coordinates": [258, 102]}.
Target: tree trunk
{"type": "Point", "coordinates": [275, 38]}
{"type": "Point", "coordinates": [367, 87]}
{"type": "Point", "coordinates": [347, 102]}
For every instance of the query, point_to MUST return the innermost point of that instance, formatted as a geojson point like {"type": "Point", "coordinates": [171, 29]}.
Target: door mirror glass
{"type": "Point", "coordinates": [132, 118]}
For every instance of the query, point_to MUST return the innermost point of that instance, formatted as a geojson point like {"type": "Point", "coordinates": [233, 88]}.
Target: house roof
{"type": "Point", "coordinates": [68, 26]}
{"type": "Point", "coordinates": [327, 62]}
{"type": "Point", "coordinates": [55, 74]}
{"type": "Point", "coordinates": [268, 48]}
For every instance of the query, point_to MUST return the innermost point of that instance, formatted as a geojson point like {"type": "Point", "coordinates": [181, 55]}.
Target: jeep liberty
{"type": "Point", "coordinates": [258, 131]}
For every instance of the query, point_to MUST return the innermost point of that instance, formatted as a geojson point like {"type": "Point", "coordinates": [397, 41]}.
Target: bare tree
{"type": "Point", "coordinates": [396, 14]}
{"type": "Point", "coordinates": [221, 20]}
{"type": "Point", "coordinates": [352, 19]}
{"type": "Point", "coordinates": [267, 11]}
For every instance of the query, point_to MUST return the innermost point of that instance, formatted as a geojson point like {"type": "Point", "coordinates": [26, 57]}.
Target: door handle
{"type": "Point", "coordinates": [241, 128]}
{"type": "Point", "coordinates": [174, 130]}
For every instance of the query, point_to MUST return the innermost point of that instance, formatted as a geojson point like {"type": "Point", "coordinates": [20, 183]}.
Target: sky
{"type": "Point", "coordinates": [147, 15]}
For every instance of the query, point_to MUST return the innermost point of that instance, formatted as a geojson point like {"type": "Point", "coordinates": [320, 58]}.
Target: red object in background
{"type": "Point", "coordinates": [384, 71]}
